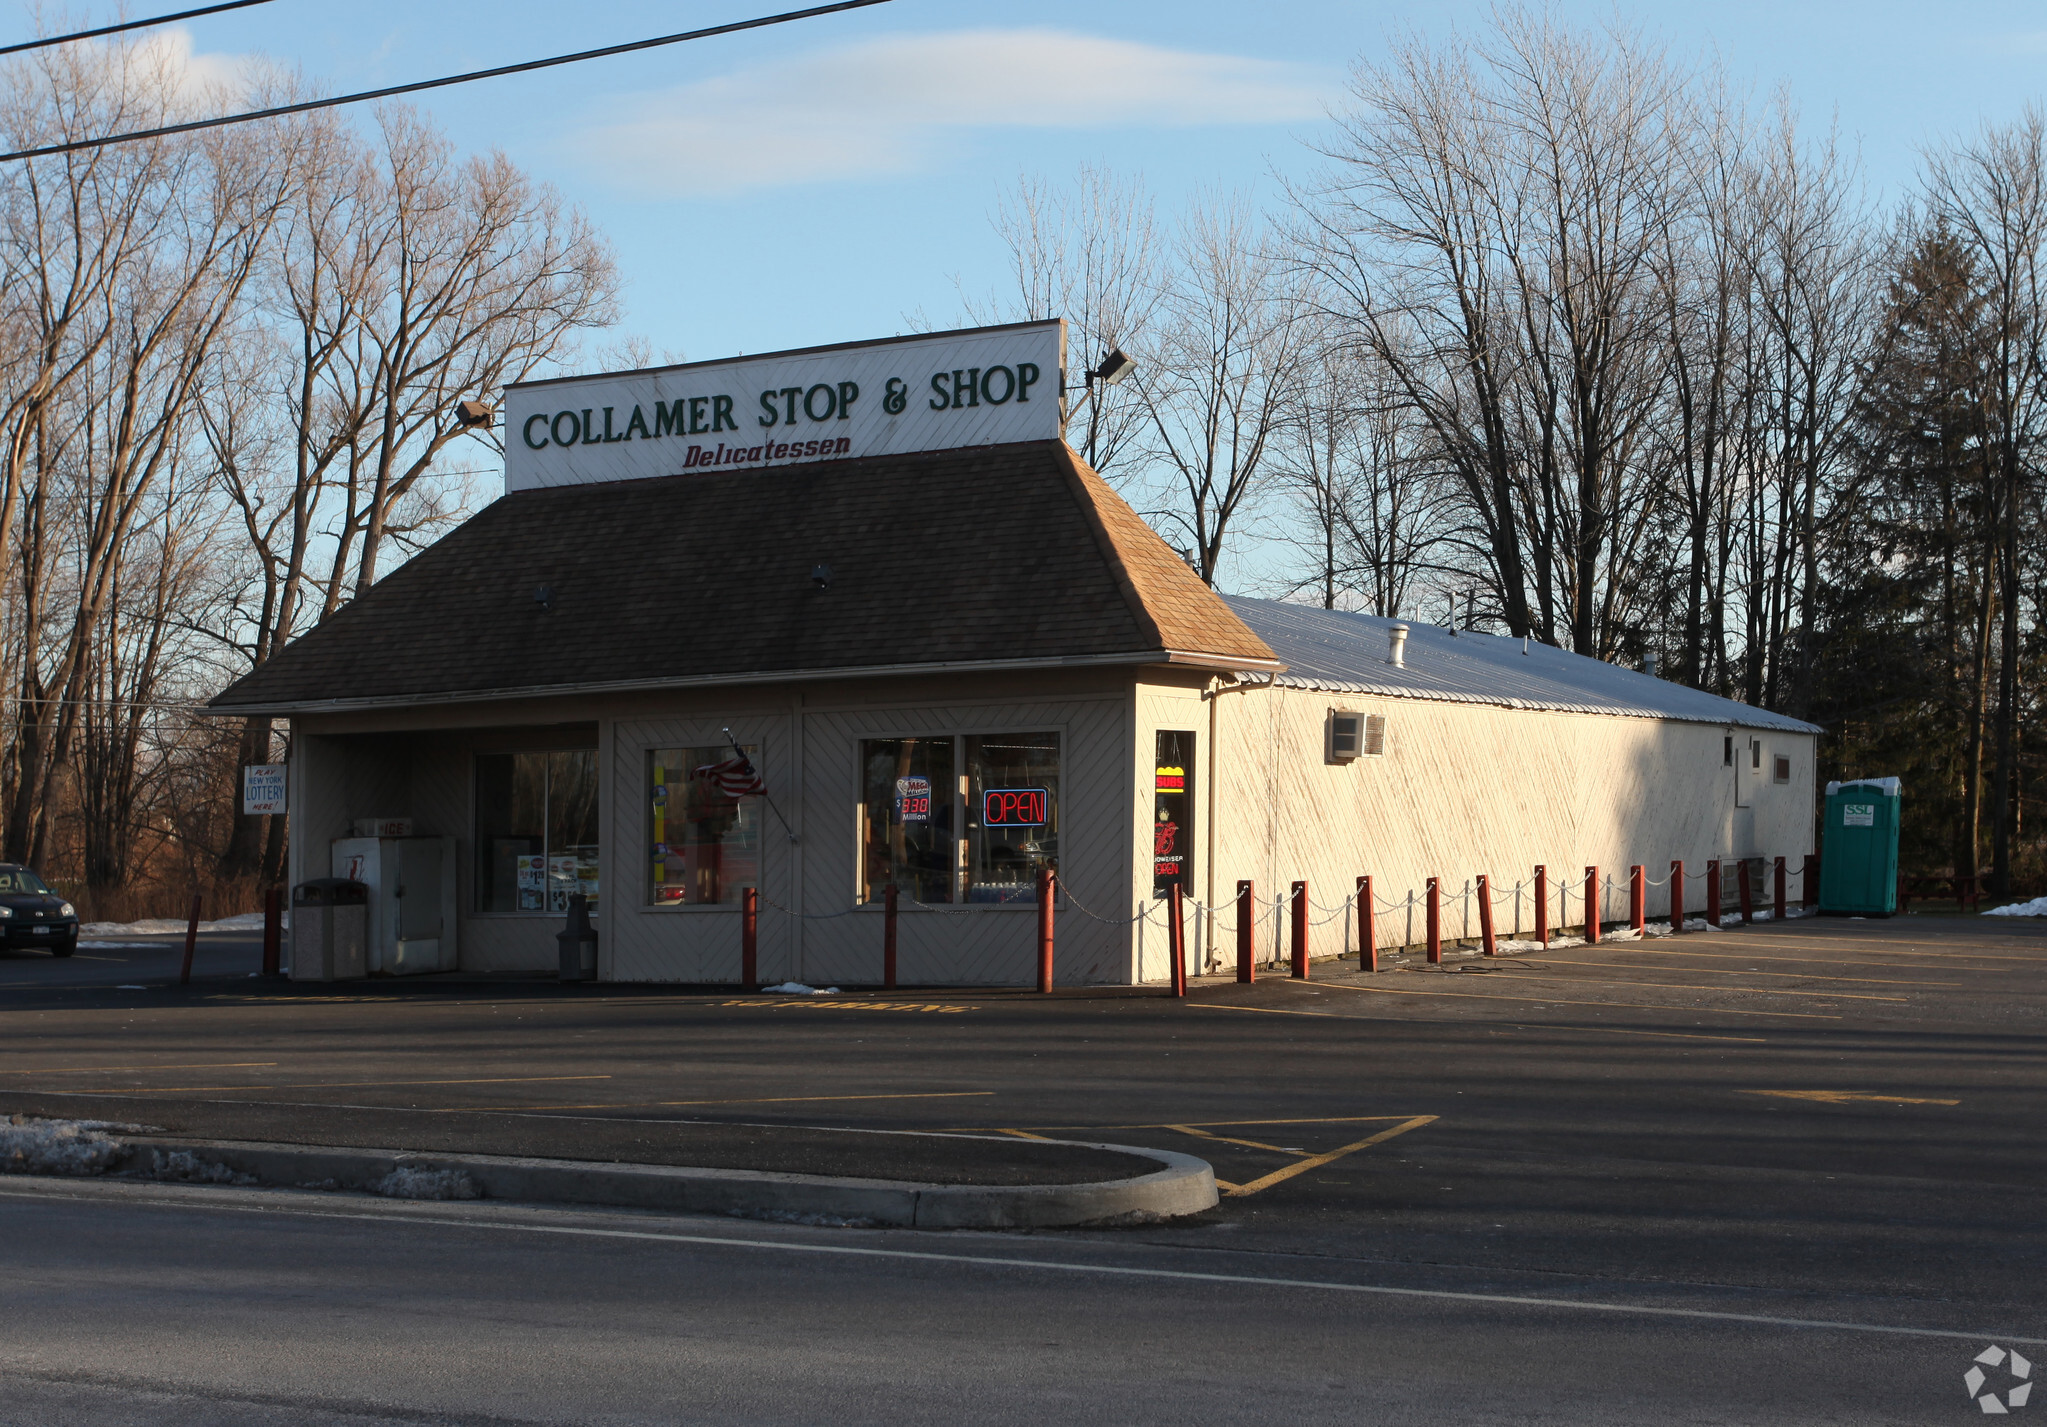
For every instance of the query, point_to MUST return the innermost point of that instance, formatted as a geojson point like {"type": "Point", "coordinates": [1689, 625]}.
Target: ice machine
{"type": "Point", "coordinates": [412, 900]}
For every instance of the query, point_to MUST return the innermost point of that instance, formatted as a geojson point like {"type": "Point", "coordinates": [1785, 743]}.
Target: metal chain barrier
{"type": "Point", "coordinates": [770, 902]}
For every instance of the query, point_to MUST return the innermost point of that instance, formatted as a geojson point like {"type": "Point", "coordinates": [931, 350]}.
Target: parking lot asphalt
{"type": "Point", "coordinates": [1835, 1114]}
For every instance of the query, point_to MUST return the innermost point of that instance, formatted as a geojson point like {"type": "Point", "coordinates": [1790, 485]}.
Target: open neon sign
{"type": "Point", "coordinates": [1014, 807]}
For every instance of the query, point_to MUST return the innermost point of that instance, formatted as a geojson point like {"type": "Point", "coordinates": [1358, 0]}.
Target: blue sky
{"type": "Point", "coordinates": [822, 181]}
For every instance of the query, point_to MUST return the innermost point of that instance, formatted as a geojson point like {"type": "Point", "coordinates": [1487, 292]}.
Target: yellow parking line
{"type": "Point", "coordinates": [1748, 971]}
{"type": "Point", "coordinates": [339, 1085]}
{"type": "Point", "coordinates": [1317, 1161]}
{"type": "Point", "coordinates": [1024, 1135]}
{"type": "Point", "coordinates": [1836, 1097]}
{"type": "Point", "coordinates": [1912, 949]}
{"type": "Point", "coordinates": [1553, 1001]}
{"type": "Point", "coordinates": [766, 1100]}
{"type": "Point", "coordinates": [1187, 1124]}
{"type": "Point", "coordinates": [131, 1069]}
{"type": "Point", "coordinates": [1622, 1031]}
{"type": "Point", "coordinates": [1752, 990]}
{"type": "Point", "coordinates": [1225, 1139]}
{"type": "Point", "coordinates": [1265, 1010]}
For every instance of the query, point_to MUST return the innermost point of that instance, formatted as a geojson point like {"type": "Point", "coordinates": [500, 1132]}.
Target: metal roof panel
{"type": "Point", "coordinates": [1345, 652]}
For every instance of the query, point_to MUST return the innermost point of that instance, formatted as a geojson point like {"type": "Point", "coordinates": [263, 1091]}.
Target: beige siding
{"type": "Point", "coordinates": [1465, 789]}
{"type": "Point", "coordinates": [811, 928]}
{"type": "Point", "coordinates": [1462, 789]}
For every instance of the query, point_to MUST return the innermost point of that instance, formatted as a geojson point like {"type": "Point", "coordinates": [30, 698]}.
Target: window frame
{"type": "Point", "coordinates": [469, 866]}
{"type": "Point", "coordinates": [959, 734]}
{"type": "Point", "coordinates": [646, 903]}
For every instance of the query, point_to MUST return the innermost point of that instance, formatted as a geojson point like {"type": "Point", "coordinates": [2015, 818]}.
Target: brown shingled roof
{"type": "Point", "coordinates": [997, 555]}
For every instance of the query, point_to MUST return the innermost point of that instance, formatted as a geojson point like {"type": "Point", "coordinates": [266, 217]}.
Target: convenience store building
{"type": "Point", "coordinates": [951, 654]}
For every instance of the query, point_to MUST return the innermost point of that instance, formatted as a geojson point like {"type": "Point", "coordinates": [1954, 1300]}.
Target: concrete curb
{"type": "Point", "coordinates": [1182, 1185]}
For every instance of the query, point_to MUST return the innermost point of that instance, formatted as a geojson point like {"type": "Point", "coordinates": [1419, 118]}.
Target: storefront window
{"type": "Point", "coordinates": [907, 817]}
{"type": "Point", "coordinates": [1172, 860]}
{"type": "Point", "coordinates": [536, 830]}
{"type": "Point", "coordinates": [1012, 814]}
{"type": "Point", "coordinates": [705, 841]}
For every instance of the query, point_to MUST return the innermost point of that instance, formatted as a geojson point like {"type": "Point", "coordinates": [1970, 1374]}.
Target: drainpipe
{"type": "Point", "coordinates": [1213, 694]}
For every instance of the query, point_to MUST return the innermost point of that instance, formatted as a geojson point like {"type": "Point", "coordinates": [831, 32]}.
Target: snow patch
{"type": "Point", "coordinates": [32, 1146]}
{"type": "Point", "coordinates": [406, 1182]}
{"type": "Point", "coordinates": [164, 926]}
{"type": "Point", "coordinates": [797, 988]}
{"type": "Point", "coordinates": [1555, 943]}
{"type": "Point", "coordinates": [2035, 908]}
{"type": "Point", "coordinates": [184, 1167]}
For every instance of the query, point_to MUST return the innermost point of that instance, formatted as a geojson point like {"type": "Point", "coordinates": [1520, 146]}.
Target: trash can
{"type": "Point", "coordinates": [329, 930]}
{"type": "Point", "coordinates": [1859, 849]}
{"type": "Point", "coordinates": [577, 942]}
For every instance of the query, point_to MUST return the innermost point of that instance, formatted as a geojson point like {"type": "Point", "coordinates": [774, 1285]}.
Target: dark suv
{"type": "Point", "coordinates": [32, 915]}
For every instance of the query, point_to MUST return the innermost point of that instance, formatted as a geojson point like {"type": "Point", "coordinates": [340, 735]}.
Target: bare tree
{"type": "Point", "coordinates": [1091, 253]}
{"type": "Point", "coordinates": [1992, 193]}
{"type": "Point", "coordinates": [1378, 513]}
{"type": "Point", "coordinates": [1231, 352]}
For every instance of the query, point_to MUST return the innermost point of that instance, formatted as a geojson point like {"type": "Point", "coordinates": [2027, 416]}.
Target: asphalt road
{"type": "Point", "coordinates": [1819, 1123]}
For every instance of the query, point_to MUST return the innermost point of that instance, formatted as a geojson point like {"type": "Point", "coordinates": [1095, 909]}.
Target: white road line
{"type": "Point", "coordinates": [1510, 1300]}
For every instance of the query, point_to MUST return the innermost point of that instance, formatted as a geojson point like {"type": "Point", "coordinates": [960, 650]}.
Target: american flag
{"type": "Point", "coordinates": [736, 777]}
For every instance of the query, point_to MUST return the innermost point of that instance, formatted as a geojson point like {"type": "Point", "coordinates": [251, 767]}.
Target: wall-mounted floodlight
{"type": "Point", "coordinates": [821, 577]}
{"type": "Point", "coordinates": [474, 413]}
{"type": "Point", "coordinates": [1116, 366]}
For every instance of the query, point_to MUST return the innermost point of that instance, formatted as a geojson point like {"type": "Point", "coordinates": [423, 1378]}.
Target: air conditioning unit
{"type": "Point", "coordinates": [1355, 735]}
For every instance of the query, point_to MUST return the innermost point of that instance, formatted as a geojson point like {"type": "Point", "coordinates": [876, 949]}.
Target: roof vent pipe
{"type": "Point", "coordinates": [1396, 651]}
{"type": "Point", "coordinates": [1649, 663]}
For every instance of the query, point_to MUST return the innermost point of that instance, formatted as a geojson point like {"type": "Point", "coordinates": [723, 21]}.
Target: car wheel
{"type": "Point", "coordinates": [63, 948]}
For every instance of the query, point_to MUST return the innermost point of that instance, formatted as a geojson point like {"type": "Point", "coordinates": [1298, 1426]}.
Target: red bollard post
{"type": "Point", "coordinates": [1592, 907]}
{"type": "Point", "coordinates": [750, 938]}
{"type": "Point", "coordinates": [1485, 915]}
{"type": "Point", "coordinates": [1300, 929]}
{"type": "Point", "coordinates": [191, 940]}
{"type": "Point", "coordinates": [1748, 901]}
{"type": "Point", "coordinates": [1368, 940]}
{"type": "Point", "coordinates": [1045, 885]}
{"type": "Point", "coordinates": [1435, 922]}
{"type": "Point", "coordinates": [1780, 889]}
{"type": "Point", "coordinates": [888, 937]}
{"type": "Point", "coordinates": [1677, 898]}
{"type": "Point", "coordinates": [1812, 879]}
{"type": "Point", "coordinates": [273, 931]}
{"type": "Point", "coordinates": [1176, 940]}
{"type": "Point", "coordinates": [1542, 904]}
{"type": "Point", "coordinates": [1713, 893]}
{"type": "Point", "coordinates": [1638, 897]}
{"type": "Point", "coordinates": [1247, 914]}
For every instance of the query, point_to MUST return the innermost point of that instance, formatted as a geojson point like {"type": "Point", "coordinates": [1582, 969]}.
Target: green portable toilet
{"type": "Point", "coordinates": [1859, 849]}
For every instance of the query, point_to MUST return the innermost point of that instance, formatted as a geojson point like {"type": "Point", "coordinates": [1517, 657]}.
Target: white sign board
{"type": "Point", "coordinates": [263, 788]}
{"type": "Point", "coordinates": [981, 387]}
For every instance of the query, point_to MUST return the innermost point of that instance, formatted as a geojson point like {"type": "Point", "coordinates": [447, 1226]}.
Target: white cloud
{"type": "Point", "coordinates": [203, 78]}
{"type": "Point", "coordinates": [892, 105]}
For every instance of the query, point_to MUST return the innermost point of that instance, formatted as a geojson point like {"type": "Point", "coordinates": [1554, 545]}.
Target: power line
{"type": "Point", "coordinates": [414, 88]}
{"type": "Point", "coordinates": [125, 25]}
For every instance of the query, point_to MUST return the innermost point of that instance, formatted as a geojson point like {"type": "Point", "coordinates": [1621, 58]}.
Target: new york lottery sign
{"type": "Point", "coordinates": [979, 387]}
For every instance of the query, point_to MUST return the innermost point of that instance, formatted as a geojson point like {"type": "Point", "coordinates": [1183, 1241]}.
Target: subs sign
{"type": "Point", "coordinates": [978, 387]}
